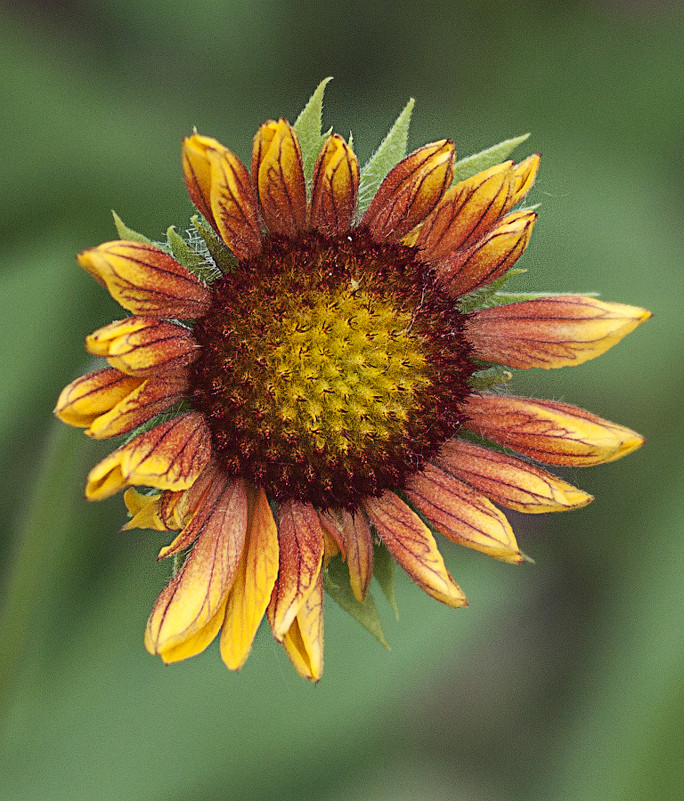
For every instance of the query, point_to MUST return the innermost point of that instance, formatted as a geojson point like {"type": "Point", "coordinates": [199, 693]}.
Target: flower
{"type": "Point", "coordinates": [311, 381]}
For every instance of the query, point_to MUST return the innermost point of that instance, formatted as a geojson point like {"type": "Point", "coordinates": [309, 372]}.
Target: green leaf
{"type": "Point", "coordinates": [128, 233]}
{"type": "Point", "coordinates": [308, 130]}
{"type": "Point", "coordinates": [222, 257]}
{"type": "Point", "coordinates": [383, 570]}
{"type": "Point", "coordinates": [186, 255]}
{"type": "Point", "coordinates": [163, 417]}
{"type": "Point", "coordinates": [182, 252]}
{"type": "Point", "coordinates": [486, 158]}
{"type": "Point", "coordinates": [490, 377]}
{"type": "Point", "coordinates": [486, 295]}
{"type": "Point", "coordinates": [503, 298]}
{"type": "Point", "coordinates": [336, 584]}
{"type": "Point", "coordinates": [391, 151]}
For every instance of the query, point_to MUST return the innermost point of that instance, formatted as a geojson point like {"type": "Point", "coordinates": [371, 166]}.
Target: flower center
{"type": "Point", "coordinates": [330, 368]}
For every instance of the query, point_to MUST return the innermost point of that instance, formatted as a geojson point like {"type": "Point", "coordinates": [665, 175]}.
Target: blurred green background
{"type": "Point", "coordinates": [562, 680]}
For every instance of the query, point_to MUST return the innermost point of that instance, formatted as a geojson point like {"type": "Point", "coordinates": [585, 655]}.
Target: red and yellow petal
{"type": "Point", "coordinates": [189, 612]}
{"type": "Point", "coordinates": [194, 644]}
{"type": "Point", "coordinates": [234, 205]}
{"type": "Point", "coordinates": [508, 481]}
{"type": "Point", "coordinates": [552, 432]}
{"type": "Point", "coordinates": [410, 191]}
{"type": "Point", "coordinates": [331, 522]}
{"type": "Point", "coordinates": [169, 456]}
{"type": "Point", "coordinates": [467, 211]}
{"type": "Point", "coordinates": [359, 550]}
{"type": "Point", "coordinates": [462, 514]}
{"type": "Point", "coordinates": [178, 509]}
{"type": "Point", "coordinates": [195, 156]}
{"type": "Point", "coordinates": [146, 280]}
{"type": "Point", "coordinates": [335, 187]}
{"type": "Point", "coordinates": [352, 534]}
{"type": "Point", "coordinates": [300, 539]}
{"type": "Point", "coordinates": [524, 174]}
{"type": "Point", "coordinates": [411, 543]}
{"type": "Point", "coordinates": [253, 585]}
{"type": "Point", "coordinates": [145, 511]}
{"type": "Point", "coordinates": [84, 400]}
{"type": "Point", "coordinates": [168, 510]}
{"type": "Point", "coordinates": [550, 332]}
{"type": "Point", "coordinates": [153, 396]}
{"type": "Point", "coordinates": [303, 641]}
{"type": "Point", "coordinates": [278, 177]}
{"type": "Point", "coordinates": [144, 346]}
{"type": "Point", "coordinates": [489, 258]}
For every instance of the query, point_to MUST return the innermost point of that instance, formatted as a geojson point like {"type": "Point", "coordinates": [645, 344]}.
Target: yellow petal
{"type": "Point", "coordinates": [146, 280]}
{"type": "Point", "coordinates": [234, 205]}
{"type": "Point", "coordinates": [193, 599]}
{"type": "Point", "coordinates": [350, 534]}
{"type": "Point", "coordinates": [300, 554]}
{"type": "Point", "coordinates": [177, 509]}
{"type": "Point", "coordinates": [411, 543]}
{"type": "Point", "coordinates": [508, 481]}
{"type": "Point", "coordinates": [251, 590]}
{"type": "Point", "coordinates": [106, 478]}
{"type": "Point", "coordinates": [195, 156]}
{"type": "Point", "coordinates": [303, 642]}
{"type": "Point", "coordinates": [359, 549]}
{"type": "Point", "coordinates": [278, 174]}
{"type": "Point", "coordinates": [152, 396]}
{"type": "Point", "coordinates": [556, 331]}
{"type": "Point", "coordinates": [462, 514]}
{"type": "Point", "coordinates": [85, 399]}
{"type": "Point", "coordinates": [195, 643]}
{"type": "Point", "coordinates": [525, 174]}
{"type": "Point", "coordinates": [411, 191]}
{"type": "Point", "coordinates": [489, 258]}
{"type": "Point", "coordinates": [467, 211]}
{"type": "Point", "coordinates": [169, 456]}
{"type": "Point", "coordinates": [144, 510]}
{"type": "Point", "coordinates": [334, 188]}
{"type": "Point", "coordinates": [144, 346]}
{"type": "Point", "coordinates": [556, 433]}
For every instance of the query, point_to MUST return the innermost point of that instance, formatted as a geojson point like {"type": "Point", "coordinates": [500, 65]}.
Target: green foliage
{"type": "Point", "coordinates": [485, 159]}
{"type": "Point", "coordinates": [336, 584]}
{"type": "Point", "coordinates": [308, 130]}
{"type": "Point", "coordinates": [128, 233]}
{"type": "Point", "coordinates": [185, 254]}
{"type": "Point", "coordinates": [487, 295]}
{"type": "Point", "coordinates": [391, 151]}
{"type": "Point", "coordinates": [383, 571]}
{"type": "Point", "coordinates": [222, 257]}
{"type": "Point", "coordinates": [490, 377]}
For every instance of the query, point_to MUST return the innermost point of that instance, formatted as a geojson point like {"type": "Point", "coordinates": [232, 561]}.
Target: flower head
{"type": "Point", "coordinates": [308, 383]}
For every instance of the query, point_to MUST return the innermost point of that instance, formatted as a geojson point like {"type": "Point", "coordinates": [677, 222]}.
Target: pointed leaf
{"type": "Point", "coordinates": [182, 252]}
{"type": "Point", "coordinates": [222, 257]}
{"type": "Point", "coordinates": [486, 158]}
{"type": "Point", "coordinates": [308, 129]}
{"type": "Point", "coordinates": [502, 298]}
{"type": "Point", "coordinates": [490, 377]}
{"type": "Point", "coordinates": [336, 584]}
{"type": "Point", "coordinates": [488, 295]}
{"type": "Point", "coordinates": [391, 151]}
{"type": "Point", "coordinates": [383, 570]}
{"type": "Point", "coordinates": [127, 233]}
